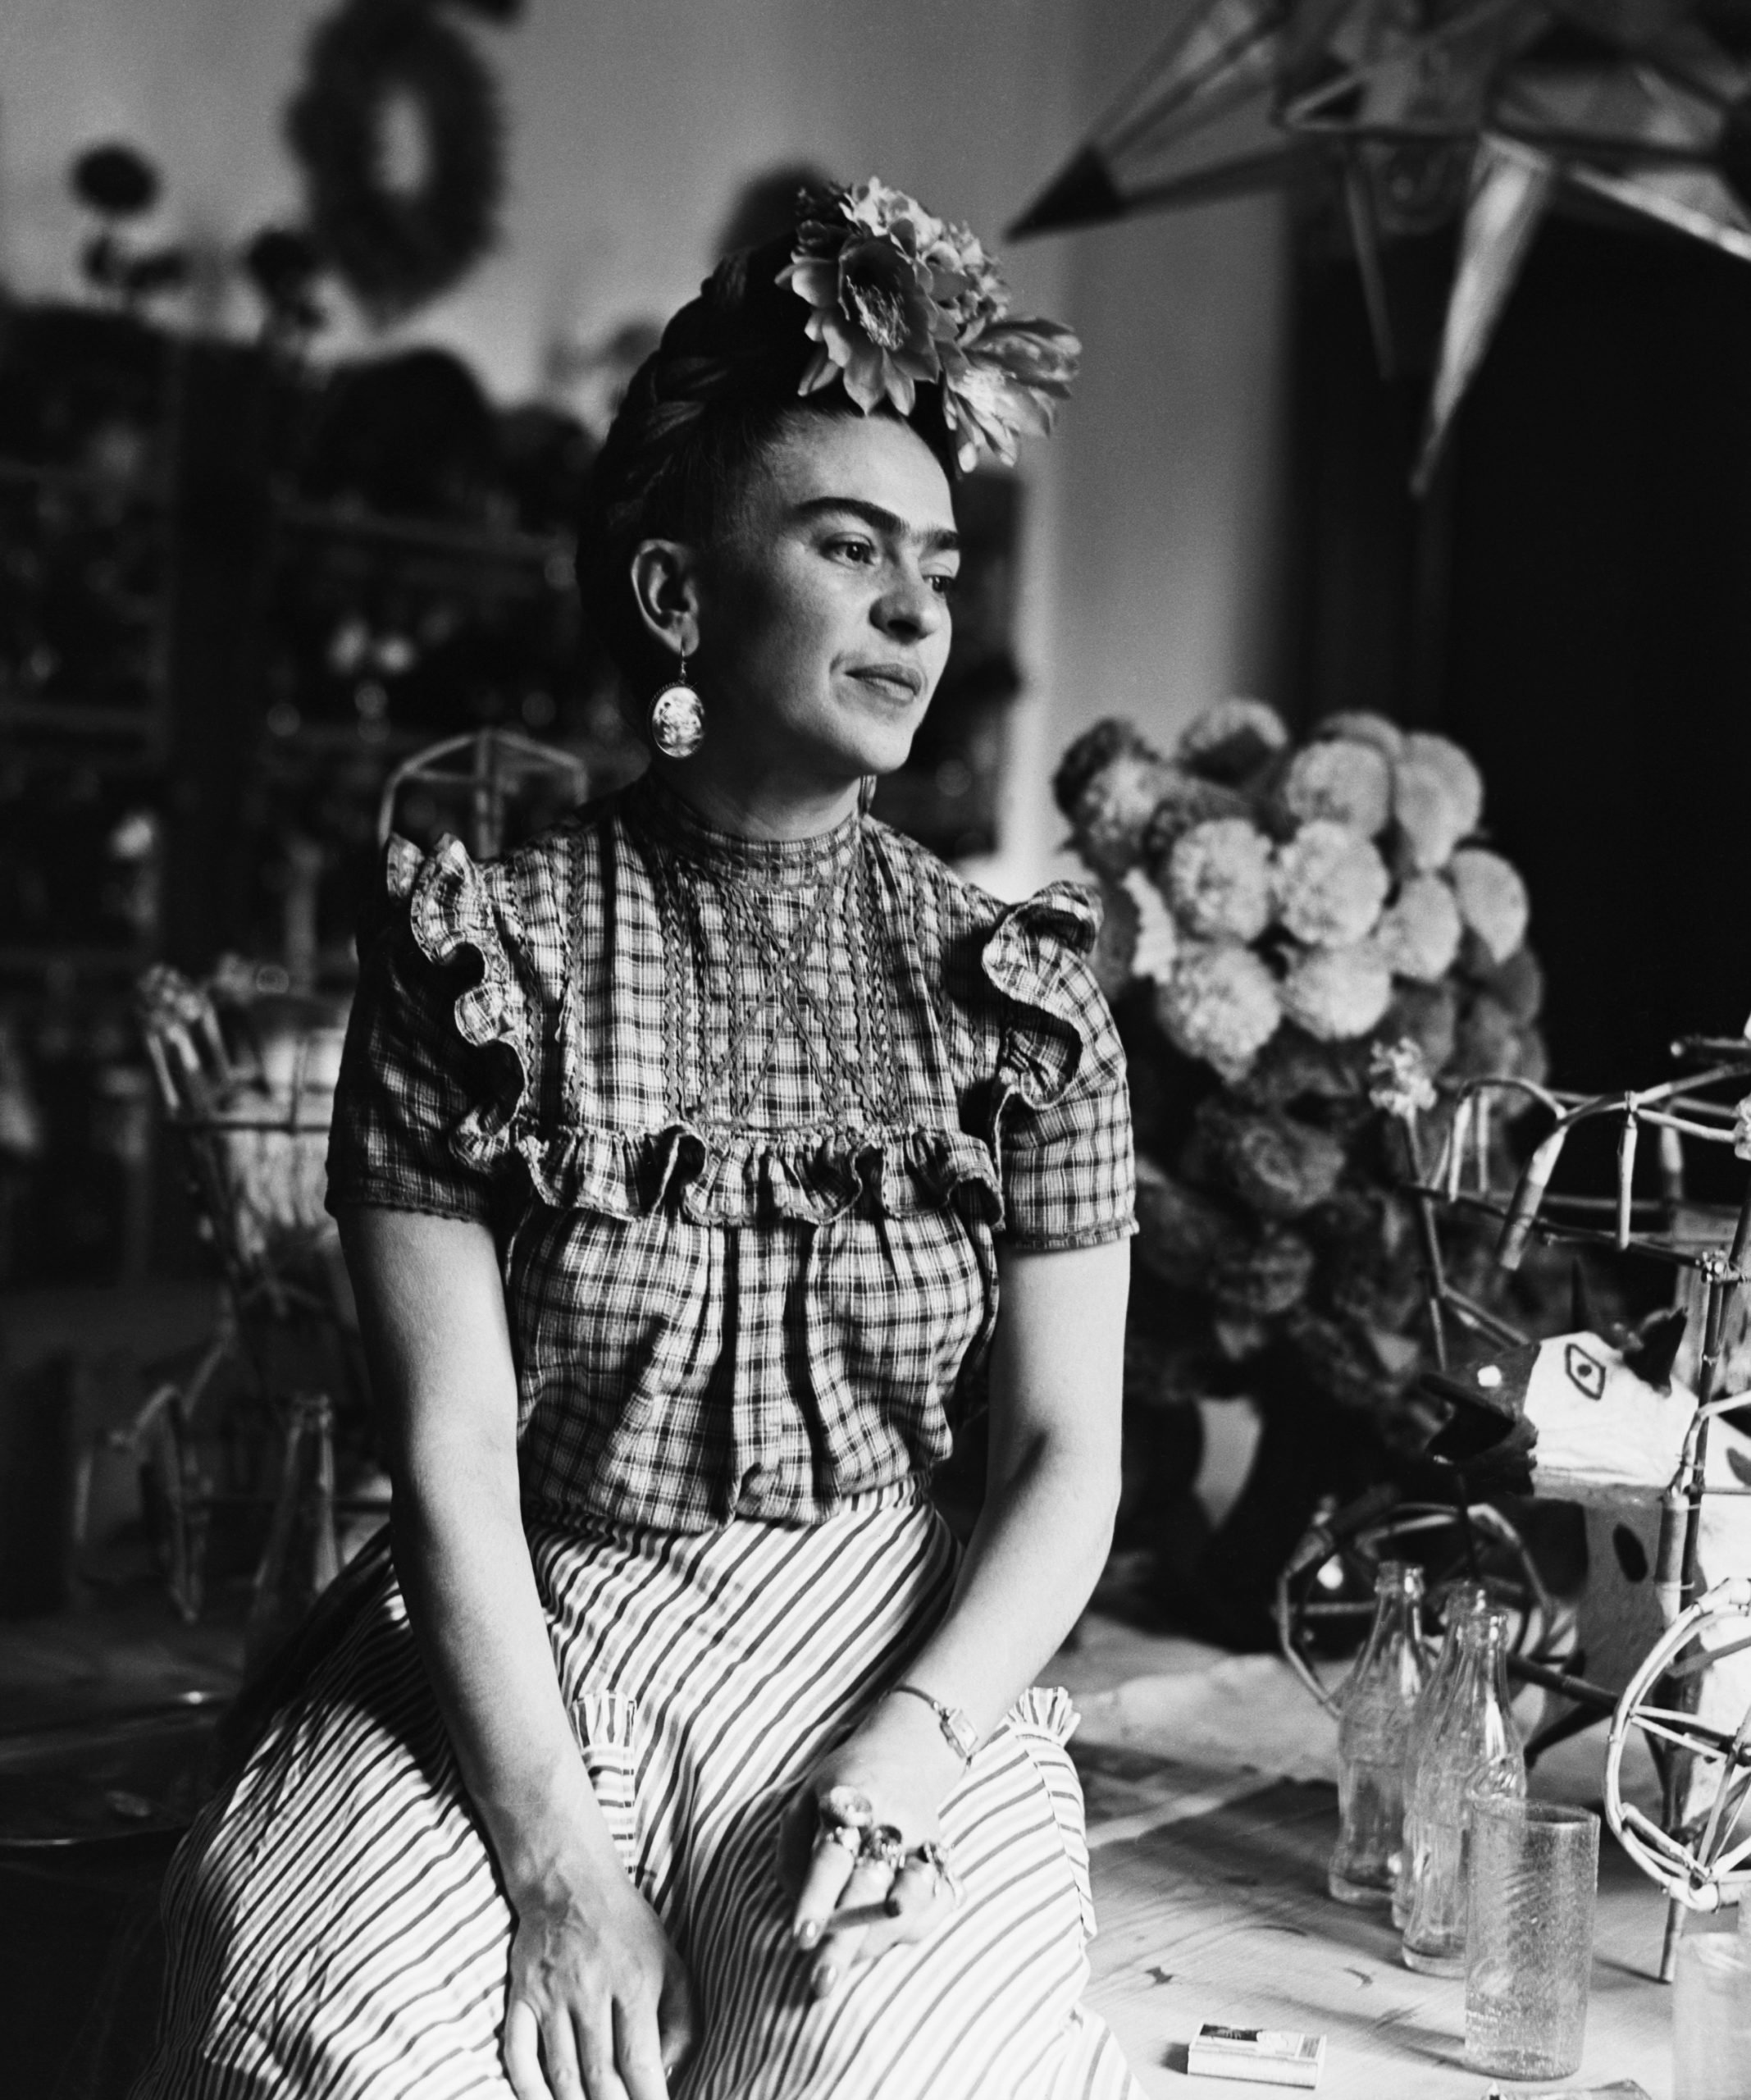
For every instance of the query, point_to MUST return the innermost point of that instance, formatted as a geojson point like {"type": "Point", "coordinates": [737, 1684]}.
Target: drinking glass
{"type": "Point", "coordinates": [1532, 1875]}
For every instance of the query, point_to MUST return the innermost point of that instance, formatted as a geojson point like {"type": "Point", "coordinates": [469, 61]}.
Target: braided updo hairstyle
{"type": "Point", "coordinates": [719, 389]}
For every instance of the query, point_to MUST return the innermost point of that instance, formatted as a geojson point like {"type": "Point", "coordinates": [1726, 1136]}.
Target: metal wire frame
{"type": "Point", "coordinates": [1378, 1526]}
{"type": "Point", "coordinates": [1696, 1874]}
{"type": "Point", "coordinates": [490, 765]}
{"type": "Point", "coordinates": [1680, 1111]}
{"type": "Point", "coordinates": [267, 1290]}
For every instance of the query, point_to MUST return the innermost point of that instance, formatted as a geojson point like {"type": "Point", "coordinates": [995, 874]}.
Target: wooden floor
{"type": "Point", "coordinates": [1213, 1909]}
{"type": "Point", "coordinates": [1209, 1882]}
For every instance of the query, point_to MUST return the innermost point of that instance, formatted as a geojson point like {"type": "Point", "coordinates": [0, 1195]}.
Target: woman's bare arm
{"type": "Point", "coordinates": [1056, 1389]}
{"type": "Point", "coordinates": [432, 1308]}
{"type": "Point", "coordinates": [1057, 1382]}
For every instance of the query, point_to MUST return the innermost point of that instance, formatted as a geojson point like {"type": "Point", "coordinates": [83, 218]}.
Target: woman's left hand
{"type": "Point", "coordinates": [849, 1911]}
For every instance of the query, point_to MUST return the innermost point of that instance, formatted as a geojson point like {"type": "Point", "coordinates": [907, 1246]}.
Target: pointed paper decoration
{"type": "Point", "coordinates": [1690, 200]}
{"type": "Point", "coordinates": [1226, 55]}
{"type": "Point", "coordinates": [1510, 190]}
{"type": "Point", "coordinates": [1647, 102]}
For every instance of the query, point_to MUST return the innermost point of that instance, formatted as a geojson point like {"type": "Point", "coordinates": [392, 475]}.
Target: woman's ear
{"type": "Point", "coordinates": [665, 586]}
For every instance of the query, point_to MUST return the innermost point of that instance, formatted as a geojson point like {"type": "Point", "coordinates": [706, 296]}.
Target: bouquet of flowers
{"type": "Point", "coordinates": [1298, 938]}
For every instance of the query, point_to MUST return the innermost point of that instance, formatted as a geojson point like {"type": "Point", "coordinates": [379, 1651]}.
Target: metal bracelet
{"type": "Point", "coordinates": [958, 1731]}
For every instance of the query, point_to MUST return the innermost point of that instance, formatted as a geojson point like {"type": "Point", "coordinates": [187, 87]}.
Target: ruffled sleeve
{"type": "Point", "coordinates": [1061, 1121]}
{"type": "Point", "coordinates": [436, 1058]}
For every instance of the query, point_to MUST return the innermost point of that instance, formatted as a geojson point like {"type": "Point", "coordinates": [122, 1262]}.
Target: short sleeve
{"type": "Point", "coordinates": [1062, 1132]}
{"type": "Point", "coordinates": [418, 1099]}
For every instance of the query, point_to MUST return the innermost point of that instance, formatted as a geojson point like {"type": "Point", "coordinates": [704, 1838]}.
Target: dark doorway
{"type": "Point", "coordinates": [1573, 602]}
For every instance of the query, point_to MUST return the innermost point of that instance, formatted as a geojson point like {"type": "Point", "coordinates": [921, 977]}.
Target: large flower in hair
{"type": "Point", "coordinates": [898, 298]}
{"type": "Point", "coordinates": [874, 318]}
{"type": "Point", "coordinates": [1008, 379]}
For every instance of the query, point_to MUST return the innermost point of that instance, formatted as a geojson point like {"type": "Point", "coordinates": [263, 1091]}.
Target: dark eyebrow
{"type": "Point", "coordinates": [937, 540]}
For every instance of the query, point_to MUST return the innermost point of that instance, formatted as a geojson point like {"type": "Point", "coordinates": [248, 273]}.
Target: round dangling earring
{"type": "Point", "coordinates": [677, 716]}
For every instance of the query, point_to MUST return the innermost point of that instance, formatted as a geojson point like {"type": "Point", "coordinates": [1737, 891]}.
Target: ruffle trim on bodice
{"type": "Point", "coordinates": [1034, 954]}
{"type": "Point", "coordinates": [810, 1176]}
{"type": "Point", "coordinates": [448, 911]}
{"type": "Point", "coordinates": [809, 1179]}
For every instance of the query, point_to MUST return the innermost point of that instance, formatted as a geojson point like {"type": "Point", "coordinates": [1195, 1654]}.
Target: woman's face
{"type": "Point", "coordinates": [823, 621]}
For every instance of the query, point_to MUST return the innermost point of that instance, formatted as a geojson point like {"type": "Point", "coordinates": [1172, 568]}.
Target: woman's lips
{"type": "Point", "coordinates": [893, 681]}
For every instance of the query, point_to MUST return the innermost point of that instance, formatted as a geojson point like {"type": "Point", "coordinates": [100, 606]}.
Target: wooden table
{"type": "Point", "coordinates": [1222, 1914]}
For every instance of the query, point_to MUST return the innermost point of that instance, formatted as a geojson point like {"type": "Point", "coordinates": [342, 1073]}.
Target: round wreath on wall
{"type": "Point", "coordinates": [396, 248]}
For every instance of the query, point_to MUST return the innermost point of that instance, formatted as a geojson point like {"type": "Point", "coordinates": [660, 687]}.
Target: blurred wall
{"type": "Point", "coordinates": [1152, 526]}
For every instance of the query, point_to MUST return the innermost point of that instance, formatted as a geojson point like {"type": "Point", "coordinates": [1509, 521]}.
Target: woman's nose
{"type": "Point", "coordinates": [910, 608]}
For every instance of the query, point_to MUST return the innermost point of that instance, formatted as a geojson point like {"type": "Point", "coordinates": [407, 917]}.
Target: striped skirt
{"type": "Point", "coordinates": [336, 1927]}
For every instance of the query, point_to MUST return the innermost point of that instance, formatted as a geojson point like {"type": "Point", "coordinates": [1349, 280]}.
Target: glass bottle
{"type": "Point", "coordinates": [1375, 1707]}
{"type": "Point", "coordinates": [1477, 1745]}
{"type": "Point", "coordinates": [1712, 2013]}
{"type": "Point", "coordinates": [1463, 1599]}
{"type": "Point", "coordinates": [301, 1558]}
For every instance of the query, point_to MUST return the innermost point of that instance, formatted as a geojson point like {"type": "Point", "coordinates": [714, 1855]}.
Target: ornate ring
{"type": "Point", "coordinates": [844, 1808]}
{"type": "Point", "coordinates": [883, 1847]}
{"type": "Point", "coordinates": [935, 1856]}
{"type": "Point", "coordinates": [842, 1835]}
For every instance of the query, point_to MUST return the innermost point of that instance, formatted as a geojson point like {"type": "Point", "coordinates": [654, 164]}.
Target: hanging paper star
{"type": "Point", "coordinates": [1427, 109]}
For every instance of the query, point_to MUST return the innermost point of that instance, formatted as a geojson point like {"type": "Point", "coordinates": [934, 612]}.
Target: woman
{"type": "Point", "coordinates": [682, 1162]}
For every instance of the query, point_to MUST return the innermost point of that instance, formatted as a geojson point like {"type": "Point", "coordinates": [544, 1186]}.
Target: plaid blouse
{"type": "Point", "coordinates": [749, 1119]}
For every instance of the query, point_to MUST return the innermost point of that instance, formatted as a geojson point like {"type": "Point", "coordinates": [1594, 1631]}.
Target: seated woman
{"type": "Point", "coordinates": [700, 1168]}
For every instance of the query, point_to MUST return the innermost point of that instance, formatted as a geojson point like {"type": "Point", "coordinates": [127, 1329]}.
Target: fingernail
{"type": "Point", "coordinates": [825, 1977]}
{"type": "Point", "coordinates": [809, 1931]}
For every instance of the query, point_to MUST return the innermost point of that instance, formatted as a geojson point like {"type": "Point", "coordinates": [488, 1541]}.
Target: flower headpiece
{"type": "Point", "coordinates": [898, 298]}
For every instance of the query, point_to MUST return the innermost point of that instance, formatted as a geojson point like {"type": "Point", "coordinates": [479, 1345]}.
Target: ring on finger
{"type": "Point", "coordinates": [846, 1836]}
{"type": "Point", "coordinates": [883, 1847]}
{"type": "Point", "coordinates": [936, 1856]}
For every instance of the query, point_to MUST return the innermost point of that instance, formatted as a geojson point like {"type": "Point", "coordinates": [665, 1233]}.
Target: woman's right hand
{"type": "Point", "coordinates": [600, 2006]}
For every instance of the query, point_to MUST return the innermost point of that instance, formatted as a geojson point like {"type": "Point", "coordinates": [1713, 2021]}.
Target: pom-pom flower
{"type": "Point", "coordinates": [1336, 994]}
{"type": "Point", "coordinates": [1438, 797]}
{"type": "Point", "coordinates": [1519, 983]}
{"type": "Point", "coordinates": [1492, 900]}
{"type": "Point", "coordinates": [1487, 1045]}
{"type": "Point", "coordinates": [1219, 1005]}
{"type": "Point", "coordinates": [1357, 725]}
{"type": "Point", "coordinates": [1429, 1015]}
{"type": "Point", "coordinates": [1419, 932]}
{"type": "Point", "coordinates": [1277, 1167]}
{"type": "Point", "coordinates": [1341, 1364]}
{"type": "Point", "coordinates": [1344, 780]}
{"type": "Point", "coordinates": [1532, 1060]}
{"type": "Point", "coordinates": [1292, 1068]}
{"type": "Point", "coordinates": [1186, 801]}
{"type": "Point", "coordinates": [1390, 969]}
{"type": "Point", "coordinates": [1181, 1234]}
{"type": "Point", "coordinates": [1109, 786]}
{"type": "Point", "coordinates": [1233, 740]}
{"type": "Point", "coordinates": [1087, 754]}
{"type": "Point", "coordinates": [1220, 880]}
{"type": "Point", "coordinates": [1267, 1280]}
{"type": "Point", "coordinates": [1157, 942]}
{"type": "Point", "coordinates": [1332, 884]}
{"type": "Point", "coordinates": [898, 298]}
{"type": "Point", "coordinates": [1113, 957]}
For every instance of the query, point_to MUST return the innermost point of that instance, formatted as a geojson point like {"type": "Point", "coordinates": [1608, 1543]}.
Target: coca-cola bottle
{"type": "Point", "coordinates": [1477, 1745]}
{"type": "Point", "coordinates": [1374, 1708]}
{"type": "Point", "coordinates": [1463, 1599]}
